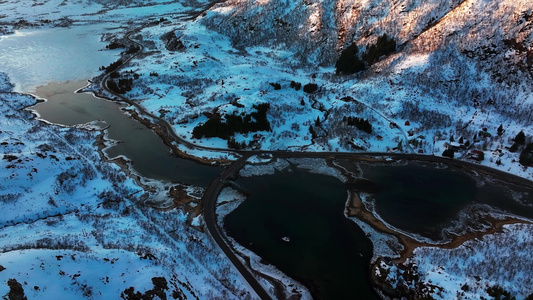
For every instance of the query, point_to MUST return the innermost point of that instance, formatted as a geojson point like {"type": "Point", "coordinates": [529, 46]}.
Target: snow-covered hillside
{"type": "Point", "coordinates": [74, 226]}
{"type": "Point", "coordinates": [460, 66]}
{"type": "Point", "coordinates": [16, 14]}
{"type": "Point", "coordinates": [485, 267]}
{"type": "Point", "coordinates": [460, 70]}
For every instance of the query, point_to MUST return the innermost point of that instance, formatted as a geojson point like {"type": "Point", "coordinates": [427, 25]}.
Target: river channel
{"type": "Point", "coordinates": [150, 157]}
{"type": "Point", "coordinates": [53, 63]}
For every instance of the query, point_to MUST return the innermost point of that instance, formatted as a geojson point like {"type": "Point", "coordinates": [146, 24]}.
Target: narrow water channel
{"type": "Point", "coordinates": [151, 158]}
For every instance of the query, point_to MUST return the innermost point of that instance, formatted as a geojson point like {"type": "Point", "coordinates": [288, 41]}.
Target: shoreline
{"type": "Point", "coordinates": [356, 209]}
{"type": "Point", "coordinates": [160, 131]}
{"type": "Point", "coordinates": [279, 282]}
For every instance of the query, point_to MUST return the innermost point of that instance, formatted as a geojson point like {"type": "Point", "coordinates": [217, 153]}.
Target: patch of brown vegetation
{"type": "Point", "coordinates": [182, 199]}
{"type": "Point", "coordinates": [357, 209]}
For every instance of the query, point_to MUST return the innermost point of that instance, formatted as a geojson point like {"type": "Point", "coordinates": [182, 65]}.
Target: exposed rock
{"type": "Point", "coordinates": [172, 42]}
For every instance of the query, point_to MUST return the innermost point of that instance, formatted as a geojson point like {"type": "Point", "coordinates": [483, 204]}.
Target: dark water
{"type": "Point", "coordinates": [423, 199]}
{"type": "Point", "coordinates": [151, 158]}
{"type": "Point", "coordinates": [418, 199]}
{"type": "Point", "coordinates": [327, 252]}
{"type": "Point", "coordinates": [330, 254]}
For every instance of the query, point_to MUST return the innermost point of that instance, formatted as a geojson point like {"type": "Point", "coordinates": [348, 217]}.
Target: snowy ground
{"type": "Point", "coordinates": [38, 13]}
{"type": "Point", "coordinates": [212, 76]}
{"type": "Point", "coordinates": [410, 111]}
{"type": "Point", "coordinates": [74, 226]}
{"type": "Point", "coordinates": [471, 270]}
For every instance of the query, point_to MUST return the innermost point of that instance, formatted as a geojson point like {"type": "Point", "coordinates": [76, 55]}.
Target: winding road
{"type": "Point", "coordinates": [210, 196]}
{"type": "Point", "coordinates": [209, 199]}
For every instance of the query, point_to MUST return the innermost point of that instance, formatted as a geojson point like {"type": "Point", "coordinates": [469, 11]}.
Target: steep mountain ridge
{"type": "Point", "coordinates": [319, 30]}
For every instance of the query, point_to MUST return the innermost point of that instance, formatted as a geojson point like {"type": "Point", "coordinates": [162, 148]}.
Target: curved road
{"type": "Point", "coordinates": [209, 199]}
{"type": "Point", "coordinates": [210, 196]}
{"type": "Point", "coordinates": [158, 120]}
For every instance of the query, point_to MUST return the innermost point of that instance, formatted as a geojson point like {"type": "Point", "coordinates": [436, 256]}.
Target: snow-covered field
{"type": "Point", "coordinates": [74, 226]}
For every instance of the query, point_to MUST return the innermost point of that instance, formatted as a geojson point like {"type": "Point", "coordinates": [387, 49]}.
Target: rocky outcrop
{"type": "Point", "coordinates": [172, 42]}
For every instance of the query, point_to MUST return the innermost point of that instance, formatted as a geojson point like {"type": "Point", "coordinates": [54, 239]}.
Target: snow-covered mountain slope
{"type": "Point", "coordinates": [452, 43]}
{"type": "Point", "coordinates": [459, 71]}
{"type": "Point", "coordinates": [318, 30]}
{"type": "Point", "coordinates": [73, 226]}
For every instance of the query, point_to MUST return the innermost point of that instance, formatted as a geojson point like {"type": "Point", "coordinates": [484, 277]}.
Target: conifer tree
{"type": "Point", "coordinates": [500, 130]}
{"type": "Point", "coordinates": [520, 138]}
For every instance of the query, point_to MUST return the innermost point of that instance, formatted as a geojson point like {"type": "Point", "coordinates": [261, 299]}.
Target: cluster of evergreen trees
{"type": "Point", "coordinates": [133, 49]}
{"type": "Point", "coordinates": [112, 67]}
{"type": "Point", "coordinates": [448, 153]}
{"type": "Point", "coordinates": [114, 45]}
{"type": "Point", "coordinates": [234, 123]}
{"type": "Point", "coordinates": [233, 144]}
{"type": "Point", "coordinates": [384, 46]}
{"type": "Point", "coordinates": [310, 88]}
{"type": "Point", "coordinates": [526, 156]}
{"type": "Point", "coordinates": [296, 85]}
{"type": "Point", "coordinates": [275, 85]}
{"type": "Point", "coordinates": [312, 132]}
{"type": "Point", "coordinates": [123, 86]}
{"type": "Point", "coordinates": [360, 123]}
{"type": "Point", "coordinates": [350, 63]}
{"type": "Point", "coordinates": [520, 139]}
